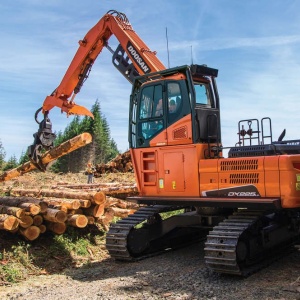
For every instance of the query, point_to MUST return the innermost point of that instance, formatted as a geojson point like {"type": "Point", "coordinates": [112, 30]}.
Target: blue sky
{"type": "Point", "coordinates": [254, 44]}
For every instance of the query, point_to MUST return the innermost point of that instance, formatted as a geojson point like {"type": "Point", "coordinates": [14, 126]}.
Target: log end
{"type": "Point", "coordinates": [99, 198]}
{"type": "Point", "coordinates": [31, 233]}
{"type": "Point", "coordinates": [79, 221]}
{"type": "Point", "coordinates": [11, 223]}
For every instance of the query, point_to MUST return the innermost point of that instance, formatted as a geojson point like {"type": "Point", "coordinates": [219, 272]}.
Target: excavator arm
{"type": "Point", "coordinates": [131, 58]}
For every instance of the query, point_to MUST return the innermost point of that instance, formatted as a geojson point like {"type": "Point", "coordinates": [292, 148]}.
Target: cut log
{"type": "Point", "coordinates": [91, 220]}
{"type": "Point", "coordinates": [106, 219]}
{"type": "Point", "coordinates": [121, 163]}
{"type": "Point", "coordinates": [85, 203]}
{"type": "Point", "coordinates": [51, 155]}
{"type": "Point", "coordinates": [18, 201]}
{"type": "Point", "coordinates": [78, 211]}
{"type": "Point", "coordinates": [11, 210]}
{"type": "Point", "coordinates": [55, 215]}
{"type": "Point", "coordinates": [99, 198]}
{"type": "Point", "coordinates": [121, 212]}
{"type": "Point", "coordinates": [96, 197]}
{"type": "Point", "coordinates": [63, 203]}
{"type": "Point", "coordinates": [58, 228]}
{"type": "Point", "coordinates": [26, 221]}
{"type": "Point", "coordinates": [85, 185]}
{"type": "Point", "coordinates": [63, 208]}
{"type": "Point", "coordinates": [112, 201]}
{"type": "Point", "coordinates": [95, 211]}
{"type": "Point", "coordinates": [42, 228]}
{"type": "Point", "coordinates": [31, 233]}
{"type": "Point", "coordinates": [121, 193]}
{"type": "Point", "coordinates": [37, 220]}
{"type": "Point", "coordinates": [8, 222]}
{"type": "Point", "coordinates": [31, 208]}
{"type": "Point", "coordinates": [79, 221]}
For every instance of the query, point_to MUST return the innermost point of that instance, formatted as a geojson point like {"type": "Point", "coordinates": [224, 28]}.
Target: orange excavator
{"type": "Point", "coordinates": [245, 206]}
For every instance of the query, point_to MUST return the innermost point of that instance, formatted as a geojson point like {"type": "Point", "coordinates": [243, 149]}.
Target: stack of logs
{"type": "Point", "coordinates": [30, 212]}
{"type": "Point", "coordinates": [121, 163]}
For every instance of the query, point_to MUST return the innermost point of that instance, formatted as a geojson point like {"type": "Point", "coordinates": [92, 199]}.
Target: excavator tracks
{"type": "Point", "coordinates": [142, 234]}
{"type": "Point", "coordinates": [116, 238]}
{"type": "Point", "coordinates": [239, 244]}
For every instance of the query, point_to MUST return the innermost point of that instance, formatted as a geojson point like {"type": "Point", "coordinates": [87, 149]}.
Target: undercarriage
{"type": "Point", "coordinates": [250, 240]}
{"type": "Point", "coordinates": [238, 243]}
{"type": "Point", "coordinates": [146, 232]}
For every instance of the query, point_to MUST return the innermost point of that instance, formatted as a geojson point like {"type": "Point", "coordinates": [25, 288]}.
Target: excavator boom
{"type": "Point", "coordinates": [132, 58]}
{"type": "Point", "coordinates": [112, 23]}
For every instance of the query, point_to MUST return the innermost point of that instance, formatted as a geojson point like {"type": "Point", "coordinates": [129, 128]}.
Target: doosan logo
{"type": "Point", "coordinates": [137, 58]}
{"type": "Point", "coordinates": [242, 194]}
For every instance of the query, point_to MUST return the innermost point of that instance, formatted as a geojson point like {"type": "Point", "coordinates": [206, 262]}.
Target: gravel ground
{"type": "Point", "coordinates": [179, 274]}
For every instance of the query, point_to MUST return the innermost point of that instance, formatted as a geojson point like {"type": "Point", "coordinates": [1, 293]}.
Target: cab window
{"type": "Point", "coordinates": [151, 102]}
{"type": "Point", "coordinates": [174, 101]}
{"type": "Point", "coordinates": [202, 94]}
{"type": "Point", "coordinates": [151, 111]}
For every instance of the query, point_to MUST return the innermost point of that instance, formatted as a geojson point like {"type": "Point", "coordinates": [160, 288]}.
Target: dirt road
{"type": "Point", "coordinates": [179, 274]}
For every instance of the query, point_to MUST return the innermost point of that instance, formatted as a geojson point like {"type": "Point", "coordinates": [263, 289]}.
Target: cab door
{"type": "Point", "coordinates": [179, 124]}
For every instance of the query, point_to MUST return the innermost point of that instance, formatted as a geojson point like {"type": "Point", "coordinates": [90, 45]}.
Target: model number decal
{"type": "Point", "coordinates": [242, 194]}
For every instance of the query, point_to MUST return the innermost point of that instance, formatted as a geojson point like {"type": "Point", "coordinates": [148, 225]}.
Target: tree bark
{"type": "Point", "coordinates": [11, 210]}
{"type": "Point", "coordinates": [63, 203]}
{"type": "Point", "coordinates": [55, 215]}
{"type": "Point", "coordinates": [94, 196]}
{"type": "Point", "coordinates": [51, 155]}
{"type": "Point", "coordinates": [111, 201]}
{"type": "Point", "coordinates": [85, 203]}
{"type": "Point", "coordinates": [18, 201]}
{"type": "Point", "coordinates": [95, 210]}
{"type": "Point", "coordinates": [106, 219]}
{"type": "Point", "coordinates": [121, 212]}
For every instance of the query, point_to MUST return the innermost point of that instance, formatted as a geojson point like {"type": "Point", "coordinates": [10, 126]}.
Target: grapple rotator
{"type": "Point", "coordinates": [43, 141]}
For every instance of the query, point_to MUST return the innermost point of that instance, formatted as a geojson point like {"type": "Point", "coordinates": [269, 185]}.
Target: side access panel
{"type": "Point", "coordinates": [167, 171]}
{"type": "Point", "coordinates": [173, 177]}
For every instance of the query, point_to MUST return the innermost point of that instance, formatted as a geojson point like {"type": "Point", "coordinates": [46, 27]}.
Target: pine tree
{"type": "Point", "coordinates": [2, 155]}
{"type": "Point", "coordinates": [23, 158]}
{"type": "Point", "coordinates": [11, 163]}
{"type": "Point", "coordinates": [102, 149]}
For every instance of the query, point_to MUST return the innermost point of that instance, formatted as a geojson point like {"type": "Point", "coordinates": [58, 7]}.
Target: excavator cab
{"type": "Point", "coordinates": [177, 106]}
{"type": "Point", "coordinates": [174, 122]}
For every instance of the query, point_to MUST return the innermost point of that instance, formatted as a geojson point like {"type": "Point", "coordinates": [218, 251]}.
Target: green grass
{"type": "Point", "coordinates": [15, 263]}
{"type": "Point", "coordinates": [49, 254]}
{"type": "Point", "coordinates": [71, 243]}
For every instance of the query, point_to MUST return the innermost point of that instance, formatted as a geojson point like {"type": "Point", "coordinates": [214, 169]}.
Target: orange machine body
{"type": "Point", "coordinates": [181, 162]}
{"type": "Point", "coordinates": [182, 171]}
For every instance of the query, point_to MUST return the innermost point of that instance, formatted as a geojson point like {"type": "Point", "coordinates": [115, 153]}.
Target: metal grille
{"type": "Point", "coordinates": [239, 165]}
{"type": "Point", "coordinates": [246, 178]}
{"type": "Point", "coordinates": [180, 133]}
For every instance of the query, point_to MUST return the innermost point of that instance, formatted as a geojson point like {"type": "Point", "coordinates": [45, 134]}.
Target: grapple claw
{"type": "Point", "coordinates": [43, 140]}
